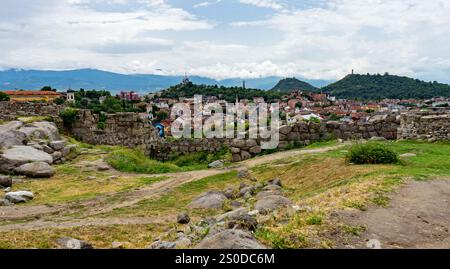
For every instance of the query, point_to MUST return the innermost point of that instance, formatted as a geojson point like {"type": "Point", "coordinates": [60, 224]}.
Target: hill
{"type": "Point", "coordinates": [288, 84]}
{"type": "Point", "coordinates": [227, 93]}
{"type": "Point", "coordinates": [90, 79]}
{"type": "Point", "coordinates": [385, 86]}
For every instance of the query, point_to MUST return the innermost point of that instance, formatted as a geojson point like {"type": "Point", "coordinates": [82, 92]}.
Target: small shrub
{"type": "Point", "coordinates": [372, 153]}
{"type": "Point", "coordinates": [68, 116]}
{"type": "Point", "coordinates": [314, 220]}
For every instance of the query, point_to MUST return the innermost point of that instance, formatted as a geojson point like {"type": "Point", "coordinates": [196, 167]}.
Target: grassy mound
{"type": "Point", "coordinates": [372, 153]}
{"type": "Point", "coordinates": [134, 161]}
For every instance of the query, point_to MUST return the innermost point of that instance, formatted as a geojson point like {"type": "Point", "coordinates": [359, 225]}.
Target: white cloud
{"type": "Point", "coordinates": [273, 4]}
{"type": "Point", "coordinates": [408, 37]}
{"type": "Point", "coordinates": [207, 3]}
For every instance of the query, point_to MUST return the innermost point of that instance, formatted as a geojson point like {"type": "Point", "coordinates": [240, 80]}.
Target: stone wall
{"type": "Point", "coordinates": [128, 129]}
{"type": "Point", "coordinates": [302, 134]}
{"type": "Point", "coordinates": [125, 129]}
{"type": "Point", "coordinates": [427, 126]}
{"type": "Point", "coordinates": [11, 110]}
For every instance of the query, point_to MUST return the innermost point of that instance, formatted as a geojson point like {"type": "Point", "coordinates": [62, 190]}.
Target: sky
{"type": "Point", "coordinates": [323, 39]}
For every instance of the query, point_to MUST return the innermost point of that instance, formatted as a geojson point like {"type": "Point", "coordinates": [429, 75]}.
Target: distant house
{"type": "Point", "coordinates": [28, 96]}
{"type": "Point", "coordinates": [129, 96]}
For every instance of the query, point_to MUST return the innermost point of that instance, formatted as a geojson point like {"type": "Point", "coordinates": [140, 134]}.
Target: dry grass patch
{"type": "Point", "coordinates": [134, 236]}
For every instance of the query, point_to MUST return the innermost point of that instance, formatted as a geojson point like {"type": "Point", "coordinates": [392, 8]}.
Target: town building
{"type": "Point", "coordinates": [32, 96]}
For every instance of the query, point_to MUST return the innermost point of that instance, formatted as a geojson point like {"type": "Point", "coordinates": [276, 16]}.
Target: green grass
{"type": "Point", "coordinates": [178, 199]}
{"type": "Point", "coordinates": [135, 161]}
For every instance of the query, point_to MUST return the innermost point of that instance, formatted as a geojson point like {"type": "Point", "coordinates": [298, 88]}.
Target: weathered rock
{"type": "Point", "coordinates": [243, 173]}
{"type": "Point", "coordinates": [117, 245]}
{"type": "Point", "coordinates": [408, 155]}
{"type": "Point", "coordinates": [264, 194]}
{"type": "Point", "coordinates": [56, 155]}
{"type": "Point", "coordinates": [216, 164]}
{"type": "Point", "coordinates": [272, 202]}
{"type": "Point", "coordinates": [42, 130]}
{"type": "Point", "coordinates": [183, 243]}
{"type": "Point", "coordinates": [5, 202]}
{"type": "Point", "coordinates": [57, 145]}
{"type": "Point", "coordinates": [72, 243]}
{"type": "Point", "coordinates": [235, 204]}
{"type": "Point", "coordinates": [91, 178]}
{"type": "Point", "coordinates": [230, 239]}
{"type": "Point", "coordinates": [229, 193]}
{"type": "Point", "coordinates": [5, 181]}
{"type": "Point", "coordinates": [275, 181]}
{"type": "Point", "coordinates": [162, 245]}
{"type": "Point", "coordinates": [255, 150]}
{"type": "Point", "coordinates": [272, 188]}
{"type": "Point", "coordinates": [236, 157]}
{"type": "Point", "coordinates": [183, 218]}
{"type": "Point", "coordinates": [247, 191]}
{"type": "Point", "coordinates": [18, 155]}
{"type": "Point", "coordinates": [103, 167]}
{"type": "Point", "coordinates": [35, 170]}
{"type": "Point", "coordinates": [377, 138]}
{"type": "Point", "coordinates": [10, 137]}
{"type": "Point", "coordinates": [233, 214]}
{"type": "Point", "coordinates": [214, 200]}
{"type": "Point", "coordinates": [243, 222]}
{"type": "Point", "coordinates": [47, 149]}
{"type": "Point", "coordinates": [19, 196]}
{"type": "Point", "coordinates": [245, 155]}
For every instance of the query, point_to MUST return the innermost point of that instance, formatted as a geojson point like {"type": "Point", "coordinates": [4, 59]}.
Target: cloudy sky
{"type": "Point", "coordinates": [322, 39]}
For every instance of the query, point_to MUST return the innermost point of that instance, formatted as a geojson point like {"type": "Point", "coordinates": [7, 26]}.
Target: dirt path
{"type": "Point", "coordinates": [36, 214]}
{"type": "Point", "coordinates": [417, 217]}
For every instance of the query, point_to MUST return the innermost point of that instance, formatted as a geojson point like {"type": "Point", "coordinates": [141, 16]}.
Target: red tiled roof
{"type": "Point", "coordinates": [31, 93]}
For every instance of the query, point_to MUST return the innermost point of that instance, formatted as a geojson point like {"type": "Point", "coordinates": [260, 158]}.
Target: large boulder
{"type": "Point", "coordinates": [41, 130]}
{"type": "Point", "coordinates": [72, 243]}
{"type": "Point", "coordinates": [209, 200]}
{"type": "Point", "coordinates": [230, 239]}
{"type": "Point", "coordinates": [272, 202]}
{"type": "Point", "coordinates": [36, 170]}
{"type": "Point", "coordinates": [18, 155]}
{"type": "Point", "coordinates": [5, 181]}
{"type": "Point", "coordinates": [10, 136]}
{"type": "Point", "coordinates": [19, 196]}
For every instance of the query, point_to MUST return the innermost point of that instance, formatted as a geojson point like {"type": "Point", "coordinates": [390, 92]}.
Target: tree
{"type": "Point", "coordinates": [48, 89]}
{"type": "Point", "coordinates": [59, 101]}
{"type": "Point", "coordinates": [161, 115]}
{"type": "Point", "coordinates": [4, 96]}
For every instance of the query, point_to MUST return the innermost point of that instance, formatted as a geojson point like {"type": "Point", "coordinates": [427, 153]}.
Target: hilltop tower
{"type": "Point", "coordinates": [185, 79]}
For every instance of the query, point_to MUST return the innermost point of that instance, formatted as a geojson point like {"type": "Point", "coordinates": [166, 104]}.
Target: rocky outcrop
{"type": "Point", "coordinates": [19, 155]}
{"type": "Point", "coordinates": [30, 148]}
{"type": "Point", "coordinates": [35, 170]}
{"type": "Point", "coordinates": [209, 200]}
{"type": "Point", "coordinates": [230, 239]}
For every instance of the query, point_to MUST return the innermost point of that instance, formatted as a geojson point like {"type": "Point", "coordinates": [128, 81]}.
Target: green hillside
{"type": "Point", "coordinates": [385, 86]}
{"type": "Point", "coordinates": [287, 85]}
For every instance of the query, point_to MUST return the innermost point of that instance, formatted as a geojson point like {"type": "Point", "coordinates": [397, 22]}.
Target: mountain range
{"type": "Point", "coordinates": [102, 80]}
